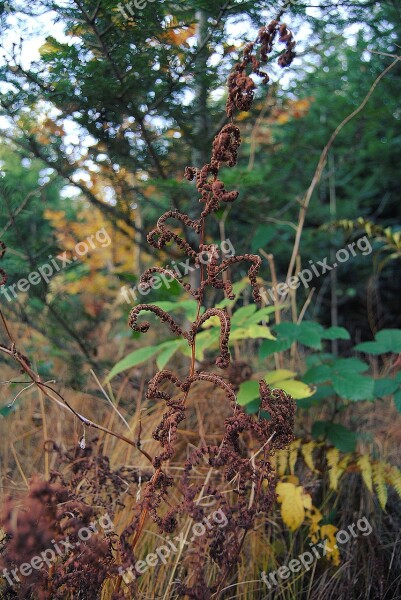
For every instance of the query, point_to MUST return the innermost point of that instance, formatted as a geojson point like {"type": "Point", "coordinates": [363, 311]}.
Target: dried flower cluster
{"type": "Point", "coordinates": [241, 87]}
{"type": "Point", "coordinates": [51, 518]}
{"type": "Point", "coordinates": [251, 478]}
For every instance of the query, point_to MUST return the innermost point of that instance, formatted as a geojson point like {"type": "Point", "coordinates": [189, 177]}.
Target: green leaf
{"type": "Point", "coordinates": [242, 314]}
{"type": "Point", "coordinates": [397, 400]}
{"type": "Point", "coordinates": [167, 353]}
{"type": "Point", "coordinates": [205, 340]}
{"type": "Point", "coordinates": [336, 333]}
{"type": "Point", "coordinates": [248, 391]}
{"type": "Point", "coordinates": [353, 386]}
{"type": "Point", "coordinates": [341, 437]}
{"type": "Point", "coordinates": [385, 387]}
{"type": "Point", "coordinates": [7, 410]}
{"type": "Point", "coordinates": [319, 428]}
{"type": "Point", "coordinates": [322, 393]}
{"type": "Point", "coordinates": [306, 403]}
{"type": "Point", "coordinates": [238, 287]}
{"type": "Point", "coordinates": [371, 348]}
{"type": "Point", "coordinates": [349, 366]}
{"type": "Point", "coordinates": [338, 435]}
{"type": "Point", "coordinates": [311, 339]}
{"type": "Point", "coordinates": [262, 236]}
{"type": "Point", "coordinates": [261, 315]}
{"type": "Point", "coordinates": [269, 347]}
{"type": "Point", "coordinates": [386, 340]}
{"type": "Point", "coordinates": [310, 334]}
{"type": "Point", "coordinates": [287, 334]}
{"type": "Point", "coordinates": [131, 360]}
{"type": "Point", "coordinates": [189, 306]}
{"type": "Point", "coordinates": [317, 359]}
{"type": "Point", "coordinates": [318, 374]}
{"type": "Point", "coordinates": [252, 407]}
{"type": "Point", "coordinates": [307, 333]}
{"type": "Point", "coordinates": [289, 331]}
{"type": "Point", "coordinates": [252, 332]}
{"type": "Point", "coordinates": [391, 339]}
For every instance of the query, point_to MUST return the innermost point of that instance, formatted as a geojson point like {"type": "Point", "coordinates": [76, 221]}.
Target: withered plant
{"type": "Point", "coordinates": [239, 478]}
{"type": "Point", "coordinates": [250, 477]}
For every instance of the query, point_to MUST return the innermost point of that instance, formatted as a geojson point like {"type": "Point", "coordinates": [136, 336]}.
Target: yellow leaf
{"type": "Point", "coordinates": [179, 35]}
{"type": "Point", "coordinates": [333, 553]}
{"type": "Point", "coordinates": [343, 464]}
{"type": "Point", "coordinates": [48, 48]}
{"type": "Point", "coordinates": [293, 455]}
{"type": "Point", "coordinates": [307, 453]}
{"type": "Point", "coordinates": [315, 517]}
{"type": "Point", "coordinates": [380, 484]}
{"type": "Point", "coordinates": [283, 118]}
{"type": "Point", "coordinates": [279, 375]}
{"type": "Point", "coordinates": [394, 478]}
{"type": "Point", "coordinates": [307, 500]}
{"type": "Point", "coordinates": [296, 389]}
{"type": "Point", "coordinates": [282, 460]}
{"type": "Point", "coordinates": [301, 105]}
{"type": "Point", "coordinates": [333, 457]}
{"type": "Point", "coordinates": [212, 322]}
{"type": "Point", "coordinates": [290, 479]}
{"type": "Point", "coordinates": [293, 502]}
{"type": "Point", "coordinates": [242, 116]}
{"type": "Point", "coordinates": [273, 461]}
{"type": "Point", "coordinates": [365, 467]}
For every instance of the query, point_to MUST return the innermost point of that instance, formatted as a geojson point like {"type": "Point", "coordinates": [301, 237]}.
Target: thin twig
{"type": "Point", "coordinates": [322, 161]}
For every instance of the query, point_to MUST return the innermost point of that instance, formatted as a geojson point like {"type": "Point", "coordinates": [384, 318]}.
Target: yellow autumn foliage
{"type": "Point", "coordinates": [92, 273]}
{"type": "Point", "coordinates": [293, 502]}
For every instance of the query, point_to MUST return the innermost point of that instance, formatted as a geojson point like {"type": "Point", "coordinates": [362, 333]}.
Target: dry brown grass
{"type": "Point", "coordinates": [370, 566]}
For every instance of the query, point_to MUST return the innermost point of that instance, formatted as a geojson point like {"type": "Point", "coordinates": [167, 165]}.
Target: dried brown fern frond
{"type": "Point", "coordinates": [229, 461]}
{"type": "Point", "coordinates": [235, 469]}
